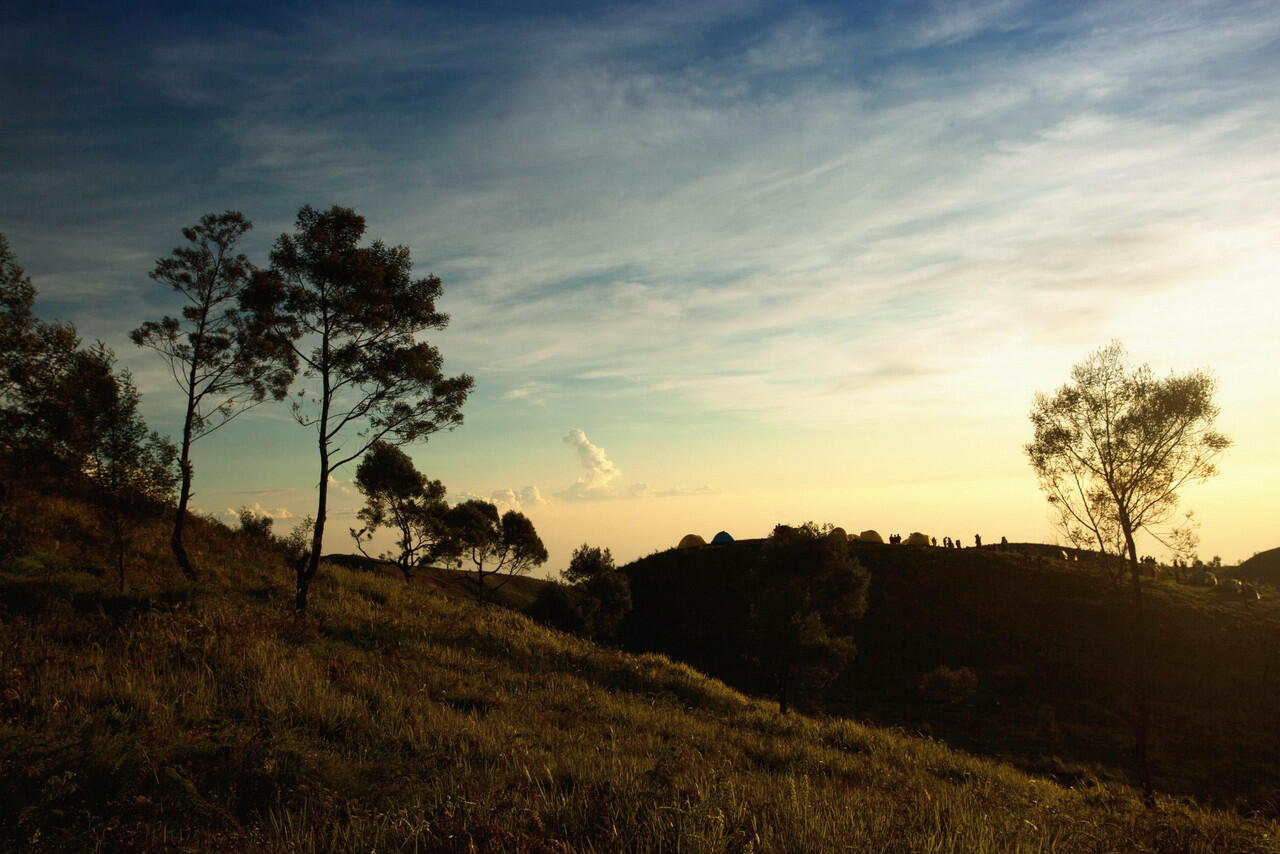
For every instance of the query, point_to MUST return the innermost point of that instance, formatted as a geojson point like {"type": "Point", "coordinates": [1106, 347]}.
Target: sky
{"type": "Point", "coordinates": [713, 265]}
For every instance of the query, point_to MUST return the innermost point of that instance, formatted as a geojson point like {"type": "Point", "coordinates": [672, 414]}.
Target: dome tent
{"type": "Point", "coordinates": [722, 537]}
{"type": "Point", "coordinates": [691, 541]}
{"type": "Point", "coordinates": [871, 537]}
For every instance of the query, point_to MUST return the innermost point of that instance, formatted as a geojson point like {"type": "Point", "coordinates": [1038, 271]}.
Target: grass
{"type": "Point", "coordinates": [1047, 642]}
{"type": "Point", "coordinates": [394, 718]}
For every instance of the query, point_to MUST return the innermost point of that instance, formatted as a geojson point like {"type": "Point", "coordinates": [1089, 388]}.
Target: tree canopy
{"type": "Point", "coordinates": [399, 497]}
{"type": "Point", "coordinates": [1112, 448]}
{"type": "Point", "coordinates": [351, 315]}
{"type": "Point", "coordinates": [497, 549]}
{"type": "Point", "coordinates": [221, 365]}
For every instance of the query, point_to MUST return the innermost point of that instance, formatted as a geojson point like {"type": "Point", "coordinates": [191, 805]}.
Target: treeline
{"type": "Point", "coordinates": [331, 324]}
{"type": "Point", "coordinates": [776, 618]}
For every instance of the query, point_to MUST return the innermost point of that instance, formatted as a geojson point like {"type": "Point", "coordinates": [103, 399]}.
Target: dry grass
{"type": "Point", "coordinates": [207, 718]}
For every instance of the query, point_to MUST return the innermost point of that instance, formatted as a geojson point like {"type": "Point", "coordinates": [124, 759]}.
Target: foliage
{"type": "Point", "coordinates": [352, 316]}
{"type": "Point", "coordinates": [496, 549]}
{"type": "Point", "coordinates": [588, 562]}
{"type": "Point", "coordinates": [1113, 447]}
{"type": "Point", "coordinates": [219, 363]}
{"type": "Point", "coordinates": [1184, 540]}
{"type": "Point", "coordinates": [399, 497]}
{"type": "Point", "coordinates": [593, 599]}
{"type": "Point", "coordinates": [131, 469]}
{"type": "Point", "coordinates": [36, 360]}
{"type": "Point", "coordinates": [1111, 450]}
{"type": "Point", "coordinates": [807, 593]}
{"type": "Point", "coordinates": [948, 685]}
{"type": "Point", "coordinates": [255, 525]}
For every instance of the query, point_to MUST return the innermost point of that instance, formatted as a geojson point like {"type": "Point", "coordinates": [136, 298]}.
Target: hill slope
{"type": "Point", "coordinates": [395, 719]}
{"type": "Point", "coordinates": [1047, 640]}
{"type": "Point", "coordinates": [1264, 567]}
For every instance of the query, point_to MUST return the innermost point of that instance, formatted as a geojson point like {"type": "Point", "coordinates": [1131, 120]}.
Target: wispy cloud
{"type": "Point", "coordinates": [753, 210]}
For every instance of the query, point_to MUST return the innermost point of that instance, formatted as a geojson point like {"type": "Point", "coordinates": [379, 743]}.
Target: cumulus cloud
{"type": "Point", "coordinates": [258, 510]}
{"type": "Point", "coordinates": [518, 499]}
{"type": "Point", "coordinates": [599, 475]}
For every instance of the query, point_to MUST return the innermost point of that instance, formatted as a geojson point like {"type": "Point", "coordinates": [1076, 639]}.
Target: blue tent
{"type": "Point", "coordinates": [722, 537]}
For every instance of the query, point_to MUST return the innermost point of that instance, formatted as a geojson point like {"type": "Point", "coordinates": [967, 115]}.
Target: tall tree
{"type": "Point", "coordinates": [1111, 450]}
{"type": "Point", "coordinates": [130, 469]}
{"type": "Point", "coordinates": [34, 357]}
{"type": "Point", "coordinates": [351, 315]}
{"type": "Point", "coordinates": [498, 549]}
{"type": "Point", "coordinates": [221, 366]}
{"type": "Point", "coordinates": [400, 497]}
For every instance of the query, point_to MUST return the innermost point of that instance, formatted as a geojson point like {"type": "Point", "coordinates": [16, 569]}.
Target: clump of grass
{"type": "Point", "coordinates": [208, 718]}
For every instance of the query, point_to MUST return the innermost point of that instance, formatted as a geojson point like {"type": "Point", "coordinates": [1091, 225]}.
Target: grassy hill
{"type": "Point", "coordinates": [1046, 640]}
{"type": "Point", "coordinates": [1264, 567]}
{"type": "Point", "coordinates": [395, 717]}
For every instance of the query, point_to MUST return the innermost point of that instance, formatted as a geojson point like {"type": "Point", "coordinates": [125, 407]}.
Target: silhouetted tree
{"type": "Point", "coordinates": [1111, 450]}
{"type": "Point", "coordinates": [399, 497]}
{"type": "Point", "coordinates": [592, 599]}
{"type": "Point", "coordinates": [131, 469]}
{"type": "Point", "coordinates": [221, 366]}
{"type": "Point", "coordinates": [36, 359]}
{"type": "Point", "coordinates": [808, 593]}
{"type": "Point", "coordinates": [498, 549]}
{"type": "Point", "coordinates": [351, 315]}
{"type": "Point", "coordinates": [256, 525]}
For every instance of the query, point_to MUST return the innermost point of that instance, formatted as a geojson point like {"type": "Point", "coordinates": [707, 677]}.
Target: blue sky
{"type": "Point", "coordinates": [772, 260]}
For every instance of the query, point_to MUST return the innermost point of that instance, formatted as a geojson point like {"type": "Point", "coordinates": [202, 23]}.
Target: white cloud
{"type": "Point", "coordinates": [520, 500]}
{"type": "Point", "coordinates": [599, 476]}
{"type": "Point", "coordinates": [258, 510]}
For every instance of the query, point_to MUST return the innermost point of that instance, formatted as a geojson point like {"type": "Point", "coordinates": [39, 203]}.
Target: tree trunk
{"type": "Point", "coordinates": [180, 520]}
{"type": "Point", "coordinates": [184, 460]}
{"type": "Point", "coordinates": [307, 568]}
{"type": "Point", "coordinates": [117, 529]}
{"type": "Point", "coordinates": [1142, 705]}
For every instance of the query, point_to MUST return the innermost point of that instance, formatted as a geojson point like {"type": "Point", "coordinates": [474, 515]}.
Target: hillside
{"type": "Point", "coordinates": [1046, 640]}
{"type": "Point", "coordinates": [395, 718]}
{"type": "Point", "coordinates": [1264, 567]}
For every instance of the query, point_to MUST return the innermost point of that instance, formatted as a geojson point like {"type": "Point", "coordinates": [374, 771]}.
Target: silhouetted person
{"type": "Point", "coordinates": [1004, 542]}
{"type": "Point", "coordinates": [934, 541]}
{"type": "Point", "coordinates": [977, 541]}
{"type": "Point", "coordinates": [946, 542]}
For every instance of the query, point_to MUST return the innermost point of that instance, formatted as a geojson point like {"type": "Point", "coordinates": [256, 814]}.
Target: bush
{"type": "Point", "coordinates": [253, 525]}
{"type": "Point", "coordinates": [948, 686]}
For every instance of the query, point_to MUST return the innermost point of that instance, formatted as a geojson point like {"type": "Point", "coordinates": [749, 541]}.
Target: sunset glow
{"type": "Point", "coordinates": [713, 266]}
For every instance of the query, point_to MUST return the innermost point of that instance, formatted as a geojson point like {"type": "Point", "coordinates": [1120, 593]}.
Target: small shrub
{"type": "Point", "coordinates": [951, 686]}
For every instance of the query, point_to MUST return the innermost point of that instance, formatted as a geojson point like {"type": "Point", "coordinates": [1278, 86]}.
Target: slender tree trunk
{"type": "Point", "coordinates": [180, 520]}
{"type": "Point", "coordinates": [184, 459]}
{"type": "Point", "coordinates": [1142, 704]}
{"type": "Point", "coordinates": [117, 530]}
{"type": "Point", "coordinates": [307, 569]}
